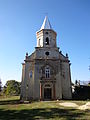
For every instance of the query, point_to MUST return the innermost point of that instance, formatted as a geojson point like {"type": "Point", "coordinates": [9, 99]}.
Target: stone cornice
{"type": "Point", "coordinates": [47, 59]}
{"type": "Point", "coordinates": [45, 81]}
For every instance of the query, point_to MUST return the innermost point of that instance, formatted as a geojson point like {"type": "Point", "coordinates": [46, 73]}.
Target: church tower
{"type": "Point", "coordinates": [46, 72]}
{"type": "Point", "coordinates": [46, 36]}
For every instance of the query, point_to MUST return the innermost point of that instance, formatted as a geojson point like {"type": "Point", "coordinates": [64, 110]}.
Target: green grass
{"type": "Point", "coordinates": [11, 109]}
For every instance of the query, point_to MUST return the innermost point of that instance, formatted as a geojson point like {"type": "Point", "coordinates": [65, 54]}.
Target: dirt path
{"type": "Point", "coordinates": [74, 105]}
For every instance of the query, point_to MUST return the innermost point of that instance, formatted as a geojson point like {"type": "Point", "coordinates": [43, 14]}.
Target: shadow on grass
{"type": "Point", "coordinates": [9, 102]}
{"type": "Point", "coordinates": [38, 114]}
{"type": "Point", "coordinates": [41, 113]}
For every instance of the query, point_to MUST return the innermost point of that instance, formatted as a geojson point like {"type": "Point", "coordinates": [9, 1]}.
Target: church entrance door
{"type": "Point", "coordinates": [47, 93]}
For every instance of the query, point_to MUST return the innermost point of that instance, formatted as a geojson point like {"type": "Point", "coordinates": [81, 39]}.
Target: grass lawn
{"type": "Point", "coordinates": [10, 109]}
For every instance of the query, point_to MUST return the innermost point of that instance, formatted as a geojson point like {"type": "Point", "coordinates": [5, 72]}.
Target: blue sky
{"type": "Point", "coordinates": [19, 21]}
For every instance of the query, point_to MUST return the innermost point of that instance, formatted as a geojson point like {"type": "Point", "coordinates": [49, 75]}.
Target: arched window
{"type": "Point", "coordinates": [47, 41]}
{"type": "Point", "coordinates": [47, 72]}
{"type": "Point", "coordinates": [30, 74]}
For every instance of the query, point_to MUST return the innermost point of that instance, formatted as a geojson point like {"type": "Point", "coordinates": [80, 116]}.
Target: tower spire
{"type": "Point", "coordinates": [46, 24]}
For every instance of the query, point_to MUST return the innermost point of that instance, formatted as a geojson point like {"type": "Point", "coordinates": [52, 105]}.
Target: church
{"type": "Point", "coordinates": [46, 72]}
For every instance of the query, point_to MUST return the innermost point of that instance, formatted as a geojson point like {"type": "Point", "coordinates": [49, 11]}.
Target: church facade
{"type": "Point", "coordinates": [46, 72]}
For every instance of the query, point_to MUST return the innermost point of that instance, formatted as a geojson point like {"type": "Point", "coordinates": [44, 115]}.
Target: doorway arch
{"type": "Point", "coordinates": [47, 92]}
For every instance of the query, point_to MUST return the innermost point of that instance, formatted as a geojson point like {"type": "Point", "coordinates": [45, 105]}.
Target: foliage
{"type": "Point", "coordinates": [12, 87]}
{"type": "Point", "coordinates": [77, 82]}
{"type": "Point", "coordinates": [0, 86]}
{"type": "Point", "coordinates": [89, 84]}
{"type": "Point", "coordinates": [81, 92]}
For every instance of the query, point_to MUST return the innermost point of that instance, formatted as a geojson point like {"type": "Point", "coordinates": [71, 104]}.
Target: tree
{"type": "Point", "coordinates": [77, 82]}
{"type": "Point", "coordinates": [89, 83]}
{"type": "Point", "coordinates": [0, 85]}
{"type": "Point", "coordinates": [12, 87]}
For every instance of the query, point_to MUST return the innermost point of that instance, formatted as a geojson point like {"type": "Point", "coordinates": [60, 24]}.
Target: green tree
{"type": "Point", "coordinates": [0, 86]}
{"type": "Point", "coordinates": [12, 87]}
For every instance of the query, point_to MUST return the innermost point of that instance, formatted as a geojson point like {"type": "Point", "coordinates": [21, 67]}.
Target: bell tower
{"type": "Point", "coordinates": [46, 36]}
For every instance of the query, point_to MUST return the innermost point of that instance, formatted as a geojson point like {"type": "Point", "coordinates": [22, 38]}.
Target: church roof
{"type": "Point", "coordinates": [46, 24]}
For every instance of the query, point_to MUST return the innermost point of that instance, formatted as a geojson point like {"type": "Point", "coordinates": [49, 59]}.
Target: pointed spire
{"type": "Point", "coordinates": [46, 24]}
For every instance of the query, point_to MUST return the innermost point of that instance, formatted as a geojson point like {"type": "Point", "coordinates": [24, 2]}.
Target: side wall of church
{"type": "Point", "coordinates": [27, 81]}
{"type": "Point", "coordinates": [30, 76]}
{"type": "Point", "coordinates": [37, 73]}
{"type": "Point", "coordinates": [66, 81]}
{"type": "Point", "coordinates": [22, 82]}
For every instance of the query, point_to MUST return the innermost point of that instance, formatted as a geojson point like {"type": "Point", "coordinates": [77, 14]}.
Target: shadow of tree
{"type": "Point", "coordinates": [9, 102]}
{"type": "Point", "coordinates": [42, 114]}
{"type": "Point", "coordinates": [38, 113]}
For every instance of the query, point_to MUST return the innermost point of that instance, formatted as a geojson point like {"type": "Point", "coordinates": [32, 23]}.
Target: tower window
{"type": "Point", "coordinates": [47, 53]}
{"type": "Point", "coordinates": [47, 41]}
{"type": "Point", "coordinates": [47, 72]}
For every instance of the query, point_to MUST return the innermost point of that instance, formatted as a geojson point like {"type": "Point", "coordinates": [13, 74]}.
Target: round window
{"type": "Point", "coordinates": [46, 32]}
{"type": "Point", "coordinates": [47, 53]}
